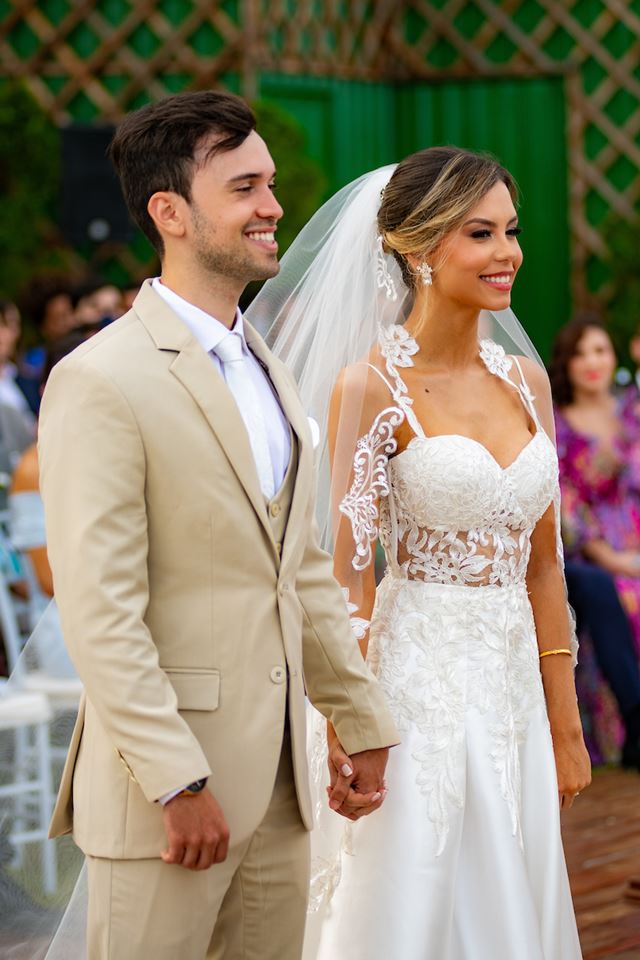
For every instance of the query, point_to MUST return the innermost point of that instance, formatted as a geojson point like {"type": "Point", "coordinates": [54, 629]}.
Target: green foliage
{"type": "Point", "coordinates": [300, 181]}
{"type": "Point", "coordinates": [623, 241]}
{"type": "Point", "coordinates": [29, 180]}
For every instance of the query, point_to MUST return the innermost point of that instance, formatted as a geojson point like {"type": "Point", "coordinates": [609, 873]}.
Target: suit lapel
{"type": "Point", "coordinates": [196, 372]}
{"type": "Point", "coordinates": [295, 414]}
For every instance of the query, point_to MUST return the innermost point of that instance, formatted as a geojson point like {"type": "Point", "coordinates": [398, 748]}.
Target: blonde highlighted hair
{"type": "Point", "coordinates": [429, 195]}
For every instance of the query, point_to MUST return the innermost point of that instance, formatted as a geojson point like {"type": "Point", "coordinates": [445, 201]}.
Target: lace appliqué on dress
{"type": "Point", "coordinates": [370, 483]}
{"type": "Point", "coordinates": [359, 625]}
{"type": "Point", "coordinates": [436, 659]}
{"type": "Point", "coordinates": [374, 449]}
{"type": "Point", "coordinates": [458, 517]}
{"type": "Point", "coordinates": [495, 359]}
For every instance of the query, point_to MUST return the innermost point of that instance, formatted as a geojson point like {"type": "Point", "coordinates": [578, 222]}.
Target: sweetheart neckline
{"type": "Point", "coordinates": [477, 443]}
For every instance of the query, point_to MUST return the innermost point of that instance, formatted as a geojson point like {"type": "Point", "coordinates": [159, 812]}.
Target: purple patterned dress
{"type": "Point", "coordinates": [601, 501]}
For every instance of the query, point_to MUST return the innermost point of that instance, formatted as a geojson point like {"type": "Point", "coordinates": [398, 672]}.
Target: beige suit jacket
{"type": "Point", "coordinates": [182, 615]}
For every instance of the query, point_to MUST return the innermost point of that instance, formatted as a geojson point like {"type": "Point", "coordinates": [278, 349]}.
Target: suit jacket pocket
{"type": "Point", "coordinates": [195, 689]}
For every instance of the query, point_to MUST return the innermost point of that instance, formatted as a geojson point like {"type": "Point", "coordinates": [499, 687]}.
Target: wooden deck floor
{"type": "Point", "coordinates": [602, 843]}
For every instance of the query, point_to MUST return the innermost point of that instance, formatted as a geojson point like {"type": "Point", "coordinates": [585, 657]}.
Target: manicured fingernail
{"type": "Point", "coordinates": [346, 770]}
{"type": "Point", "coordinates": [375, 797]}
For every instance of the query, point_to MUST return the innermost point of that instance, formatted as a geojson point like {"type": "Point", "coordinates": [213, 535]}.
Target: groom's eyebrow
{"type": "Point", "coordinates": [250, 176]}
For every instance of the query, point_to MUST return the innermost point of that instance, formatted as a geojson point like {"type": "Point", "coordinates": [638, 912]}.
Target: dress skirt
{"type": "Point", "coordinates": [464, 860]}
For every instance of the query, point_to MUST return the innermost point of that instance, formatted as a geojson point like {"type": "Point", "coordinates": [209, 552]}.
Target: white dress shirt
{"type": "Point", "coordinates": [209, 332]}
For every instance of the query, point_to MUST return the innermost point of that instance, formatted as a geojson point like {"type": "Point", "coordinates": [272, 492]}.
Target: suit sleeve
{"type": "Point", "coordinates": [92, 475]}
{"type": "Point", "coordinates": [339, 683]}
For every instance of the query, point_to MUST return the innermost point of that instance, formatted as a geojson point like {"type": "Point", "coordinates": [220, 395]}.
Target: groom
{"type": "Point", "coordinates": [177, 475]}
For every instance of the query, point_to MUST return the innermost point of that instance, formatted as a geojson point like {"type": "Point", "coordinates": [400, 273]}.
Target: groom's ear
{"type": "Point", "coordinates": [169, 212]}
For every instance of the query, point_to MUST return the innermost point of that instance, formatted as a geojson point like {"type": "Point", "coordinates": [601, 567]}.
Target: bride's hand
{"type": "Point", "coordinates": [573, 765]}
{"type": "Point", "coordinates": [356, 788]}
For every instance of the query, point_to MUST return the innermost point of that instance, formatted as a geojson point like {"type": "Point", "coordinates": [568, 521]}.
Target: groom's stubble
{"type": "Point", "coordinates": [229, 260]}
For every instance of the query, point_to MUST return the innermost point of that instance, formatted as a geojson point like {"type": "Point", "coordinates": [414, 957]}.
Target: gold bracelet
{"type": "Point", "coordinates": [552, 653]}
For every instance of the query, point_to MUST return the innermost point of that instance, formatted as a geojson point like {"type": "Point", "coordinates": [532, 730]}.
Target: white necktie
{"type": "Point", "coordinates": [239, 381]}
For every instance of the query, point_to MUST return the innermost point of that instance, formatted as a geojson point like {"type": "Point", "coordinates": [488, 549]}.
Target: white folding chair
{"type": "Point", "coordinates": [26, 795]}
{"type": "Point", "coordinates": [63, 691]}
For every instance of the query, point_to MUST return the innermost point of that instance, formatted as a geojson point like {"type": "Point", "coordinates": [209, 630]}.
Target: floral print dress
{"type": "Point", "coordinates": [601, 501]}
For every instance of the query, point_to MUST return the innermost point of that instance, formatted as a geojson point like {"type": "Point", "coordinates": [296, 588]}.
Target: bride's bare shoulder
{"type": "Point", "coordinates": [535, 375]}
{"type": "Point", "coordinates": [365, 381]}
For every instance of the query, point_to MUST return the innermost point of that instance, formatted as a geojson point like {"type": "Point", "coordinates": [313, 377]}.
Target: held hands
{"type": "Point", "coordinates": [357, 782]}
{"type": "Point", "coordinates": [197, 832]}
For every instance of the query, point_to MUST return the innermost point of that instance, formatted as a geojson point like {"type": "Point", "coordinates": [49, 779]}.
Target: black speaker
{"type": "Point", "coordinates": [92, 205]}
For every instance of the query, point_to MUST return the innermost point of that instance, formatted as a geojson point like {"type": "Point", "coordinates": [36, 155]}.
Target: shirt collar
{"type": "Point", "coordinates": [206, 329]}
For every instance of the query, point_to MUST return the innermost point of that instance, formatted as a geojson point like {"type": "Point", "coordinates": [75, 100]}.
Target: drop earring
{"type": "Point", "coordinates": [426, 273]}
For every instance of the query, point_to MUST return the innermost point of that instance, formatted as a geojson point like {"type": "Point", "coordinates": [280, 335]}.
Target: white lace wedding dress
{"type": "Point", "coordinates": [464, 860]}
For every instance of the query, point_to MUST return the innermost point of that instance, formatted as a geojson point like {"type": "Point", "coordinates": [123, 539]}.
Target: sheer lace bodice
{"type": "Point", "coordinates": [446, 511]}
{"type": "Point", "coordinates": [453, 515]}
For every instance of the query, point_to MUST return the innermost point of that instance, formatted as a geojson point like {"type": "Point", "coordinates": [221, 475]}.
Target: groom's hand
{"type": "Point", "coordinates": [197, 831]}
{"type": "Point", "coordinates": [357, 782]}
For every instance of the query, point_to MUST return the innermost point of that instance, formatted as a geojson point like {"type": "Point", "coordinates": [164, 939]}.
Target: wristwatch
{"type": "Point", "coordinates": [193, 788]}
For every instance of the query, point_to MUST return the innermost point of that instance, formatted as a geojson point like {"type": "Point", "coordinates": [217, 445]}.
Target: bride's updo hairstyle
{"type": "Point", "coordinates": [430, 194]}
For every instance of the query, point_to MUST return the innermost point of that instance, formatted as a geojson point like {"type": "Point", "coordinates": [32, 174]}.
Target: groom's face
{"type": "Point", "coordinates": [234, 212]}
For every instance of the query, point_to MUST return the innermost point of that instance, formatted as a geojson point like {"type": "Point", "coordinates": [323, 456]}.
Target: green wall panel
{"type": "Point", "coordinates": [350, 125]}
{"type": "Point", "coordinates": [356, 126]}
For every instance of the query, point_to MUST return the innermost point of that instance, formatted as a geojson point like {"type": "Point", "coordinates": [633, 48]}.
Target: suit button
{"type": "Point", "coordinates": [279, 549]}
{"type": "Point", "coordinates": [275, 509]}
{"type": "Point", "coordinates": [283, 588]}
{"type": "Point", "coordinates": [278, 675]}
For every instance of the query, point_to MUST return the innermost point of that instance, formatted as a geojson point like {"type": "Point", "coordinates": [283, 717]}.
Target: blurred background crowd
{"type": "Point", "coordinates": [551, 87]}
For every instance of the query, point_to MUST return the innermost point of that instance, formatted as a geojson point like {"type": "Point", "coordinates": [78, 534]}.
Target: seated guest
{"type": "Point", "coordinates": [48, 306]}
{"type": "Point", "coordinates": [599, 612]}
{"type": "Point", "coordinates": [27, 518]}
{"type": "Point", "coordinates": [598, 436]}
{"type": "Point", "coordinates": [98, 303]}
{"type": "Point", "coordinates": [27, 531]}
{"type": "Point", "coordinates": [25, 504]}
{"type": "Point", "coordinates": [16, 420]}
{"type": "Point", "coordinates": [10, 393]}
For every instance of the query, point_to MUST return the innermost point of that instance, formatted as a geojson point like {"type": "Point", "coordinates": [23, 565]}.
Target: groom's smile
{"type": "Point", "coordinates": [264, 236]}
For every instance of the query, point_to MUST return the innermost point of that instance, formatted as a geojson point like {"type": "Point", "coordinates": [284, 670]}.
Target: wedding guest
{"type": "Point", "coordinates": [25, 503]}
{"type": "Point", "coordinates": [634, 353]}
{"type": "Point", "coordinates": [598, 436]}
{"type": "Point", "coordinates": [599, 612]}
{"type": "Point", "coordinates": [48, 305]}
{"type": "Point", "coordinates": [10, 393]}
{"type": "Point", "coordinates": [98, 303]}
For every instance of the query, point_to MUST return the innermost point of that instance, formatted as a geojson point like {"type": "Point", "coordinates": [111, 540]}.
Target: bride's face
{"type": "Point", "coordinates": [476, 265]}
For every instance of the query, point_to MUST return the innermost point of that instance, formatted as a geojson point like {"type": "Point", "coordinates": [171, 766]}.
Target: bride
{"type": "Point", "coordinates": [441, 449]}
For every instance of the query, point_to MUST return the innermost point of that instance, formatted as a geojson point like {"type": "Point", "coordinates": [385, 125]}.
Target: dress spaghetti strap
{"type": "Point", "coordinates": [525, 393]}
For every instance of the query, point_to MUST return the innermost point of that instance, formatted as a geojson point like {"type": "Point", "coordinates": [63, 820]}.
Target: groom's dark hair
{"type": "Point", "coordinates": [154, 148]}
